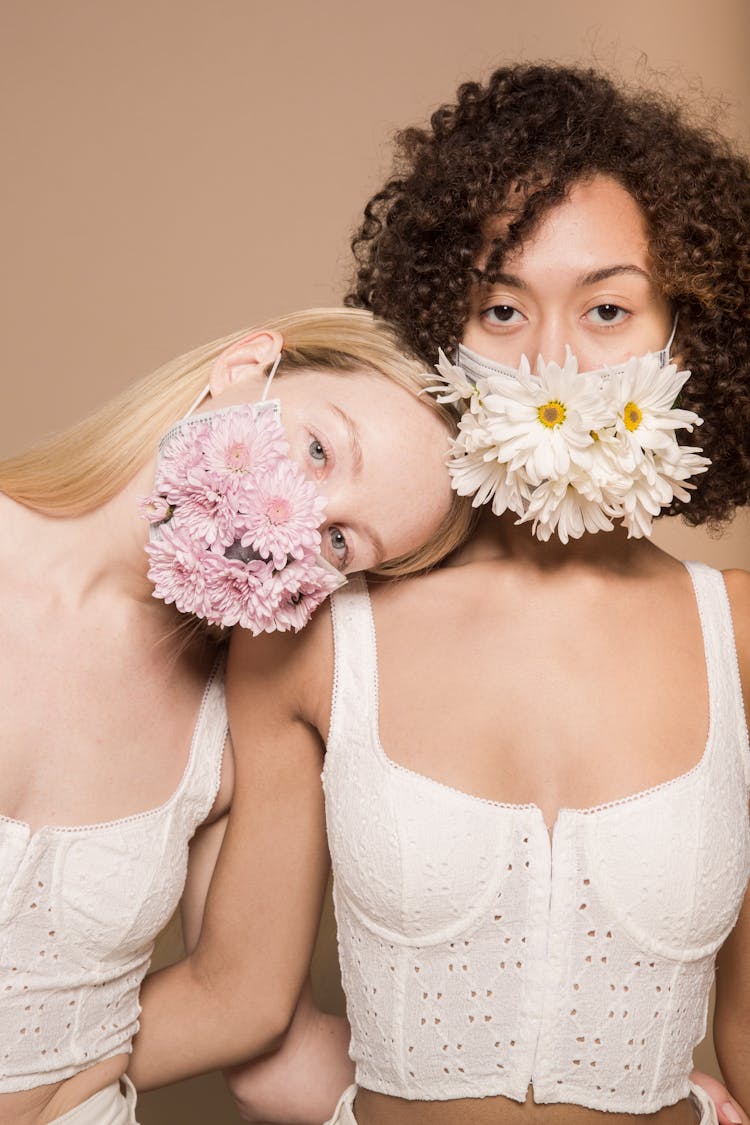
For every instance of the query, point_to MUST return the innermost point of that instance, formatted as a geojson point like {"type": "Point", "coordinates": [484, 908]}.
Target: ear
{"type": "Point", "coordinates": [247, 356]}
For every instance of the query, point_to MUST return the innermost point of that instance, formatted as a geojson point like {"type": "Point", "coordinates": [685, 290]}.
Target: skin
{"type": "Point", "coordinates": [542, 619]}
{"type": "Point", "coordinates": [81, 612]}
{"type": "Point", "coordinates": [551, 297]}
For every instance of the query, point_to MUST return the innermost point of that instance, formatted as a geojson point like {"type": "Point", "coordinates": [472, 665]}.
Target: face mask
{"type": "Point", "coordinates": [234, 525]}
{"type": "Point", "coordinates": [477, 366]}
{"type": "Point", "coordinates": [571, 452]}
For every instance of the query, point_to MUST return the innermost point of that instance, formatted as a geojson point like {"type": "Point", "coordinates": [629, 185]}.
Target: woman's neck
{"type": "Point", "coordinates": [76, 558]}
{"type": "Point", "coordinates": [499, 538]}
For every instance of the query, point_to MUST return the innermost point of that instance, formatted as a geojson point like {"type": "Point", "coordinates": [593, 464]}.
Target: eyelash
{"type": "Point", "coordinates": [341, 559]}
{"type": "Point", "coordinates": [315, 440]}
{"type": "Point", "coordinates": [491, 308]}
{"type": "Point", "coordinates": [485, 314]}
{"type": "Point", "coordinates": [609, 305]}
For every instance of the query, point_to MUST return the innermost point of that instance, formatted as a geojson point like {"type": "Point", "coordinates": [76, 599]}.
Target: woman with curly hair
{"type": "Point", "coordinates": [535, 784]}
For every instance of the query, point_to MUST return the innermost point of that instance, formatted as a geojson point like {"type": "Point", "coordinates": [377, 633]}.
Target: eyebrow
{"type": "Point", "coordinates": [592, 278]}
{"type": "Point", "coordinates": [355, 446]}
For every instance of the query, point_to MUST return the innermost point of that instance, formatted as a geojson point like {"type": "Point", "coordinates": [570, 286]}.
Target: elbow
{"type": "Point", "coordinates": [260, 1088]}
{"type": "Point", "coordinates": [249, 1096]}
{"type": "Point", "coordinates": [251, 1017]}
{"type": "Point", "coordinates": [259, 1031]}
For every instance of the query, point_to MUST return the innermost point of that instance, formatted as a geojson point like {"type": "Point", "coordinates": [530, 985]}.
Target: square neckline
{"type": "Point", "coordinates": [564, 811]}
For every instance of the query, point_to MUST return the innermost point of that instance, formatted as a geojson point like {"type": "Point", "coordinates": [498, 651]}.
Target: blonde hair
{"type": "Point", "coordinates": [83, 467]}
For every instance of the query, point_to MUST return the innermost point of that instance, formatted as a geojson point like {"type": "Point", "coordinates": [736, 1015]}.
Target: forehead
{"type": "Point", "coordinates": [598, 221]}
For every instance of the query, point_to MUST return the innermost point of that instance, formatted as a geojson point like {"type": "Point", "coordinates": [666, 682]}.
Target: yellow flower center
{"type": "Point", "coordinates": [633, 416]}
{"type": "Point", "coordinates": [551, 414]}
{"type": "Point", "coordinates": [594, 435]}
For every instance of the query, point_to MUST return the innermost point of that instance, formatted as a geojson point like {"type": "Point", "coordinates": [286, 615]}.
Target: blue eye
{"type": "Point", "coordinates": [501, 314]}
{"type": "Point", "coordinates": [338, 544]}
{"type": "Point", "coordinates": [317, 452]}
{"type": "Point", "coordinates": [607, 314]}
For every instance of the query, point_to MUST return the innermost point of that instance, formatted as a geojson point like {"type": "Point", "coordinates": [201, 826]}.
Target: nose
{"type": "Point", "coordinates": [550, 340]}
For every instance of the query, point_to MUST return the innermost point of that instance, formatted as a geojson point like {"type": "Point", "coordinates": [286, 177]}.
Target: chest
{"type": "Point", "coordinates": [546, 703]}
{"type": "Point", "coordinates": [95, 724]}
{"type": "Point", "coordinates": [630, 791]}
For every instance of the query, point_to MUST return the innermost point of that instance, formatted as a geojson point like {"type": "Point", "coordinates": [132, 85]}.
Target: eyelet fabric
{"type": "Point", "coordinates": [80, 908]}
{"type": "Point", "coordinates": [482, 954]}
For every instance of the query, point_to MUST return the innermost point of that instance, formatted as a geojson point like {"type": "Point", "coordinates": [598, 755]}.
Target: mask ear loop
{"type": "Point", "coordinates": [204, 394]}
{"type": "Point", "coordinates": [271, 374]}
{"type": "Point", "coordinates": [664, 353]}
{"type": "Point", "coordinates": [207, 389]}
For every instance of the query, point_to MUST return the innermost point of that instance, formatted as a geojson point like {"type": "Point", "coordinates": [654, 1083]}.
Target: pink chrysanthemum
{"type": "Point", "coordinates": [239, 593]}
{"type": "Point", "coordinates": [155, 508]}
{"type": "Point", "coordinates": [235, 525]}
{"type": "Point", "coordinates": [300, 588]}
{"type": "Point", "coordinates": [180, 453]}
{"type": "Point", "coordinates": [178, 571]}
{"type": "Point", "coordinates": [242, 441]}
{"type": "Point", "coordinates": [207, 508]}
{"type": "Point", "coordinates": [281, 513]}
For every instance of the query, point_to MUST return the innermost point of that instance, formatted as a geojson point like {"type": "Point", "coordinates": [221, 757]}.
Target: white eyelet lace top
{"type": "Point", "coordinates": [480, 956]}
{"type": "Point", "coordinates": [79, 911]}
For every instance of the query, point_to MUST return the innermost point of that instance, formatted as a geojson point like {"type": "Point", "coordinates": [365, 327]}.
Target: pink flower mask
{"type": "Point", "coordinates": [234, 523]}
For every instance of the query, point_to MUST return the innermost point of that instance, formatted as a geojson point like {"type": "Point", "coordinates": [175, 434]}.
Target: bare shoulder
{"type": "Point", "coordinates": [292, 669]}
{"type": "Point", "coordinates": [440, 591]}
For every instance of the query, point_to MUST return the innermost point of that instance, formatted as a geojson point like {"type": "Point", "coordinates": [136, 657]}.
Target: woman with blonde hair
{"type": "Point", "coordinates": [114, 748]}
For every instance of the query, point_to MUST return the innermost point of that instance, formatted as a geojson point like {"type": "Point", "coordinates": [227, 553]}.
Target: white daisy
{"type": "Point", "coordinates": [679, 463]}
{"type": "Point", "coordinates": [475, 470]}
{"type": "Point", "coordinates": [647, 494]}
{"type": "Point", "coordinates": [643, 395]}
{"type": "Point", "coordinates": [570, 453]}
{"type": "Point", "coordinates": [556, 505]}
{"type": "Point", "coordinates": [455, 385]}
{"type": "Point", "coordinates": [540, 423]}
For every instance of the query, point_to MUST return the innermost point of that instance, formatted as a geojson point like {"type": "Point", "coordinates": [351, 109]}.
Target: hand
{"type": "Point", "coordinates": [728, 1111]}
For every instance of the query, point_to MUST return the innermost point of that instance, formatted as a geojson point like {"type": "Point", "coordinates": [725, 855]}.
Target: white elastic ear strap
{"type": "Point", "coordinates": [271, 374]}
{"type": "Point", "coordinates": [664, 353]}
{"type": "Point", "coordinates": [207, 390]}
{"type": "Point", "coordinates": [204, 393]}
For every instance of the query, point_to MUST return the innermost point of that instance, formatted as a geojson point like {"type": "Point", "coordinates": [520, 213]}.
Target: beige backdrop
{"type": "Point", "coordinates": [176, 169]}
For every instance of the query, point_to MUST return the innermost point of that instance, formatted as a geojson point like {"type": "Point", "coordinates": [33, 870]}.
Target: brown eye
{"type": "Point", "coordinates": [608, 314]}
{"type": "Point", "coordinates": [500, 314]}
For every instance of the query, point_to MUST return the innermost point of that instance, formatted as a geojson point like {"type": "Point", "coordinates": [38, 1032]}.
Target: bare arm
{"type": "Point", "coordinates": [300, 1083]}
{"type": "Point", "coordinates": [732, 1013]}
{"type": "Point", "coordinates": [234, 996]}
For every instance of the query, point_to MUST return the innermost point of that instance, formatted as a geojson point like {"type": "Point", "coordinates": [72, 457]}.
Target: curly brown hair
{"type": "Point", "coordinates": [515, 147]}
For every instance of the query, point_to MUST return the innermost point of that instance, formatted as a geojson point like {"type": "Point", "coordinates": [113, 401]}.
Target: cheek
{"type": "Point", "coordinates": [492, 345]}
{"type": "Point", "coordinates": [414, 504]}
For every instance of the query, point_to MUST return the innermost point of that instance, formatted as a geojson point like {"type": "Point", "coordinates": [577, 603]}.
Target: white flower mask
{"type": "Point", "coordinates": [476, 366]}
{"type": "Point", "coordinates": [571, 451]}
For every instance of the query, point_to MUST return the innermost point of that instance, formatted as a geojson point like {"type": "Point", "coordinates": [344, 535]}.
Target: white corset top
{"type": "Point", "coordinates": [482, 955]}
{"type": "Point", "coordinates": [79, 911]}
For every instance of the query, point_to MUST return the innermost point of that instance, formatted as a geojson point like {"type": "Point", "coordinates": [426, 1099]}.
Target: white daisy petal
{"type": "Point", "coordinates": [570, 452]}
